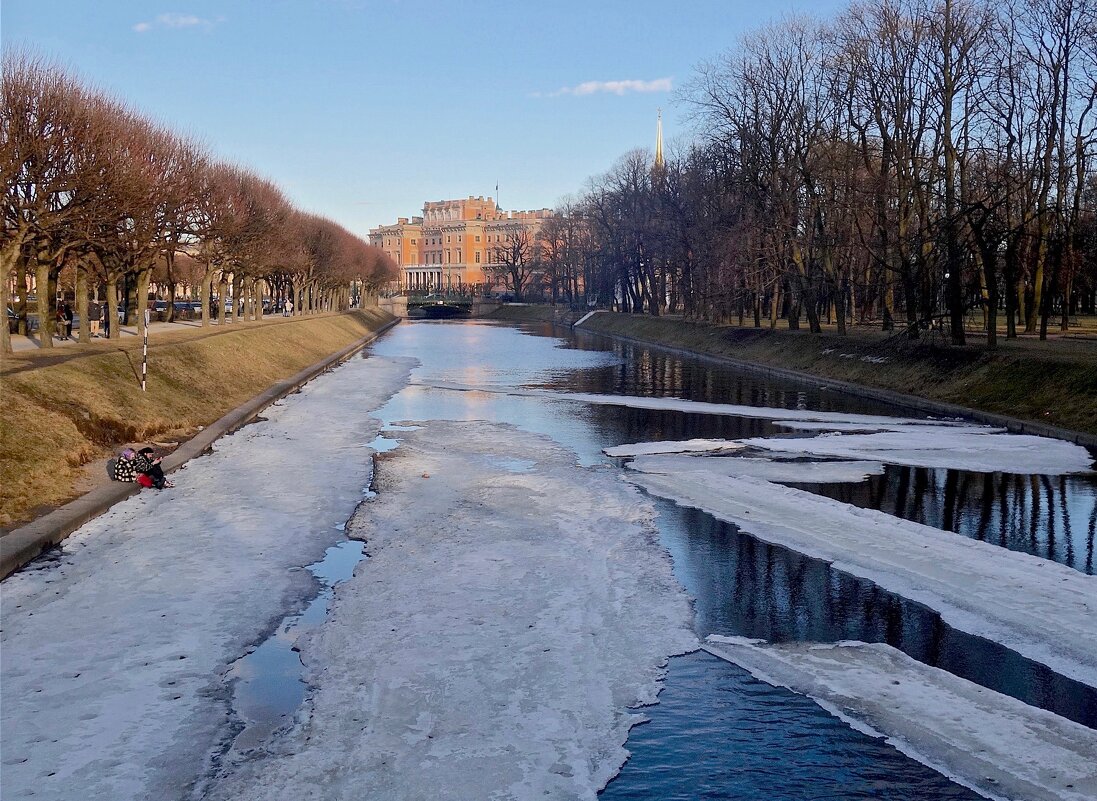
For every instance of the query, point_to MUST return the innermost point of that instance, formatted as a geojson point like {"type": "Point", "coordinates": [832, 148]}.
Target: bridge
{"type": "Point", "coordinates": [438, 306]}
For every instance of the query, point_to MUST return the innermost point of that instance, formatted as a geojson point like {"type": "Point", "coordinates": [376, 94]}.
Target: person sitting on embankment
{"type": "Point", "coordinates": [139, 466]}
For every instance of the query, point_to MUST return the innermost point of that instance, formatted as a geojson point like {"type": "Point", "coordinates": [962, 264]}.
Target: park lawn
{"type": "Point", "coordinates": [1053, 382]}
{"type": "Point", "coordinates": [75, 405]}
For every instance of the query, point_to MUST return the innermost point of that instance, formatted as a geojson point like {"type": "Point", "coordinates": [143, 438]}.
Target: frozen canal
{"type": "Point", "coordinates": [515, 602]}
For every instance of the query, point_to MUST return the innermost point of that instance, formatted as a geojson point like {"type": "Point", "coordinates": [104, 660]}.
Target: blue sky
{"type": "Point", "coordinates": [362, 109]}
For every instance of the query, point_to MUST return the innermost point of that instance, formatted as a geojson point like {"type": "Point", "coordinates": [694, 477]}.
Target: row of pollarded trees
{"type": "Point", "coordinates": [94, 188]}
{"type": "Point", "coordinates": [919, 161]}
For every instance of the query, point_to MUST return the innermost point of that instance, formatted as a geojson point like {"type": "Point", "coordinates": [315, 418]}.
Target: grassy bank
{"type": "Point", "coordinates": [66, 409]}
{"type": "Point", "coordinates": [1051, 382]}
{"type": "Point", "coordinates": [538, 313]}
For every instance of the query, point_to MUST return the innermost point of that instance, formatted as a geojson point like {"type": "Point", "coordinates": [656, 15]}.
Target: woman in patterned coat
{"type": "Point", "coordinates": [140, 466]}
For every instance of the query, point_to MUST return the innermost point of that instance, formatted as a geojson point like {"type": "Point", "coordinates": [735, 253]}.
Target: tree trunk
{"type": "Point", "coordinates": [222, 296]}
{"type": "Point", "coordinates": [45, 306]}
{"type": "Point", "coordinates": [112, 307]}
{"type": "Point", "coordinates": [6, 272]}
{"type": "Point", "coordinates": [205, 285]}
{"type": "Point", "coordinates": [82, 303]}
{"type": "Point", "coordinates": [840, 306]}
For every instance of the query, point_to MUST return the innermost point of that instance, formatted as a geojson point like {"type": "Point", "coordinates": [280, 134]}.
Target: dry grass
{"type": "Point", "coordinates": [1054, 382]}
{"type": "Point", "coordinates": [63, 410]}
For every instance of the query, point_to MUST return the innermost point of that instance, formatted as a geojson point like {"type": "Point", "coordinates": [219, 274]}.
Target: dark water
{"type": "Point", "coordinates": [743, 586]}
{"type": "Point", "coordinates": [760, 742]}
{"type": "Point", "coordinates": [267, 688]}
{"type": "Point", "coordinates": [1053, 517]}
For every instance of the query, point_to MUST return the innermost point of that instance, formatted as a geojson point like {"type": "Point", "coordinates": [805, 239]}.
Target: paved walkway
{"type": "Point", "coordinates": [24, 343]}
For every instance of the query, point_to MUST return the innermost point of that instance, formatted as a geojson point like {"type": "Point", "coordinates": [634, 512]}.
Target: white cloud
{"type": "Point", "coordinates": [615, 87]}
{"type": "Point", "coordinates": [173, 19]}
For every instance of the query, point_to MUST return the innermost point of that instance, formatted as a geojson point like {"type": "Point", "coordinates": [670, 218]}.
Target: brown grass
{"type": "Point", "coordinates": [1054, 382]}
{"type": "Point", "coordinates": [62, 410]}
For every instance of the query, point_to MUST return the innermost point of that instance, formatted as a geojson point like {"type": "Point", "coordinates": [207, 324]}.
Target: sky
{"type": "Point", "coordinates": [363, 109]}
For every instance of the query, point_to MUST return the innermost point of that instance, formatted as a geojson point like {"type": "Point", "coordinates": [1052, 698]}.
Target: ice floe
{"type": "Point", "coordinates": [795, 472]}
{"type": "Point", "coordinates": [1040, 609]}
{"type": "Point", "coordinates": [994, 744]}
{"type": "Point", "coordinates": [495, 640]}
{"type": "Point", "coordinates": [683, 446]}
{"type": "Point", "coordinates": [960, 449]}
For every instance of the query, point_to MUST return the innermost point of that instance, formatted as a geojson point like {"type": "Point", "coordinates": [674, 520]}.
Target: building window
{"type": "Point", "coordinates": [458, 256]}
{"type": "Point", "coordinates": [477, 255]}
{"type": "Point", "coordinates": [477, 237]}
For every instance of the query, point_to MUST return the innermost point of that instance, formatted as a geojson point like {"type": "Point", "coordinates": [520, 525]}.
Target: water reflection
{"type": "Point", "coordinates": [743, 586]}
{"type": "Point", "coordinates": [1053, 517]}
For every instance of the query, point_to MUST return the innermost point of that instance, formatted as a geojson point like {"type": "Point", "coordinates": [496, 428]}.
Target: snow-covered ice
{"type": "Point", "coordinates": [1043, 610]}
{"type": "Point", "coordinates": [982, 451]}
{"type": "Point", "coordinates": [510, 613]}
{"type": "Point", "coordinates": [113, 656]}
{"type": "Point", "coordinates": [995, 744]}
{"type": "Point", "coordinates": [832, 472]}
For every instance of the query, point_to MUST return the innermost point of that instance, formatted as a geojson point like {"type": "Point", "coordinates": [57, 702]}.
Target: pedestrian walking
{"type": "Point", "coordinates": [59, 320]}
{"type": "Point", "coordinates": [69, 316]}
{"type": "Point", "coordinates": [288, 310]}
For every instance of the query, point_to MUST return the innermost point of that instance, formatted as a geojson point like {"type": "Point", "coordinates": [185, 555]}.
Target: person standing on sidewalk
{"type": "Point", "coordinates": [95, 315]}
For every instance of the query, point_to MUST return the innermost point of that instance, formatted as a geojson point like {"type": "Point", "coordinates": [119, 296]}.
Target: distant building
{"type": "Point", "coordinates": [454, 245]}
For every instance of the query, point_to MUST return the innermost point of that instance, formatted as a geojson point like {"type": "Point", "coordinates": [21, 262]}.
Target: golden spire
{"type": "Point", "coordinates": [659, 164]}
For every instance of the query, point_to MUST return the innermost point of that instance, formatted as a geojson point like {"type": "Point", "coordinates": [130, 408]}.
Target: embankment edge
{"type": "Point", "coordinates": [23, 544]}
{"type": "Point", "coordinates": [912, 402]}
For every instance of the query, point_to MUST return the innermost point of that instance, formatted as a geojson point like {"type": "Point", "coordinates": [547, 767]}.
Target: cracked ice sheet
{"type": "Point", "coordinates": [836, 472]}
{"type": "Point", "coordinates": [1040, 609]}
{"type": "Point", "coordinates": [113, 658]}
{"type": "Point", "coordinates": [491, 646]}
{"type": "Point", "coordinates": [985, 740]}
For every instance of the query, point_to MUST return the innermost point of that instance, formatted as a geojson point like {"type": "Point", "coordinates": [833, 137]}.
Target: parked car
{"type": "Point", "coordinates": [13, 321]}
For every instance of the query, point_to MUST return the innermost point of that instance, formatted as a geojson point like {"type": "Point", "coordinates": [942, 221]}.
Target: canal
{"type": "Point", "coordinates": [719, 733]}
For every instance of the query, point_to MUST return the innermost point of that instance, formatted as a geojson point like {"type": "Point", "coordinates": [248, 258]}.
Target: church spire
{"type": "Point", "coordinates": [659, 163]}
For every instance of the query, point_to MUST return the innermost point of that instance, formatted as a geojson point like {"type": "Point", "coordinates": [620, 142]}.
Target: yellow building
{"type": "Point", "coordinates": [454, 245]}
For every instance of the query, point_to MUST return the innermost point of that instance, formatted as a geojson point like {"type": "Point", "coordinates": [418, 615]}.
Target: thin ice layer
{"type": "Point", "coordinates": [1043, 610]}
{"type": "Point", "coordinates": [985, 740]}
{"type": "Point", "coordinates": [873, 421]}
{"type": "Point", "coordinates": [681, 446]}
{"type": "Point", "coordinates": [491, 646]}
{"type": "Point", "coordinates": [834, 472]}
{"type": "Point", "coordinates": [113, 657]}
{"type": "Point", "coordinates": [956, 449]}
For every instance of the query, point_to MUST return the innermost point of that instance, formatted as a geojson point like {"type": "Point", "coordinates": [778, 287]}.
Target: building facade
{"type": "Point", "coordinates": [455, 245]}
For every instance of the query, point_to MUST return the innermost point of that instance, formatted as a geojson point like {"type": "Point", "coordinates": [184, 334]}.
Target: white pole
{"type": "Point", "coordinates": [145, 352]}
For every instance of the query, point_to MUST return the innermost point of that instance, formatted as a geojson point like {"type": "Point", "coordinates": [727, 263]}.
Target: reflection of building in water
{"type": "Point", "coordinates": [456, 243]}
